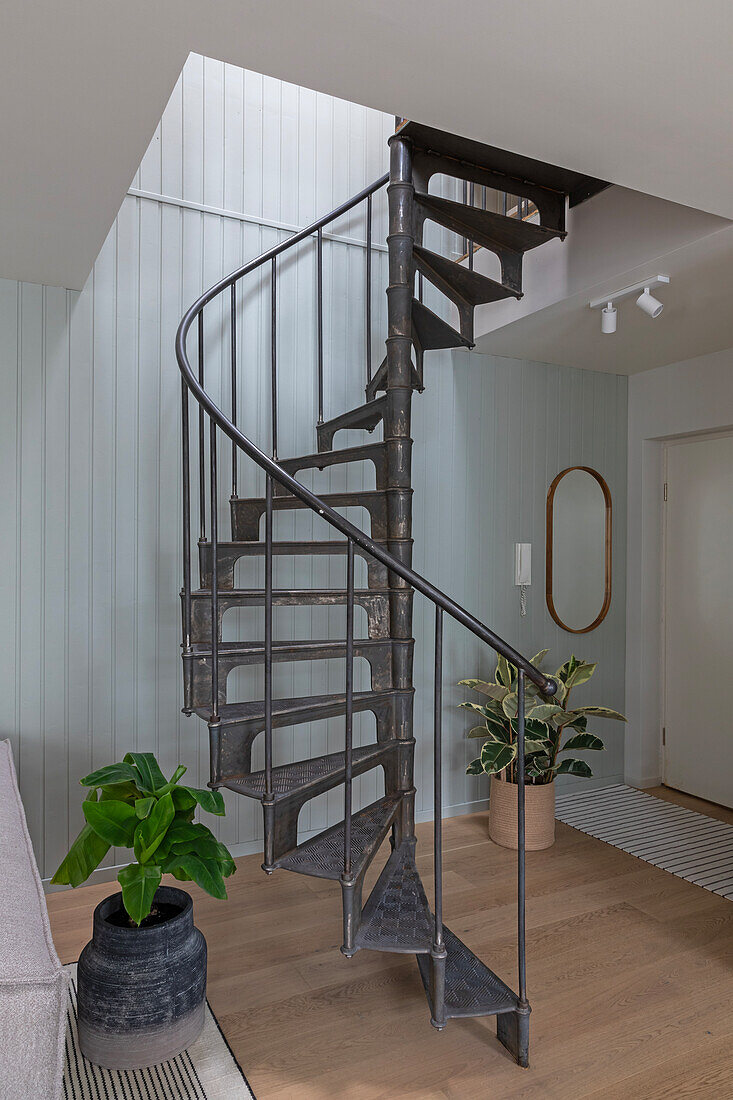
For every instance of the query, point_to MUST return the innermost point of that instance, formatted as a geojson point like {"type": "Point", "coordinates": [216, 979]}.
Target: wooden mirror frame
{"type": "Point", "coordinates": [548, 551]}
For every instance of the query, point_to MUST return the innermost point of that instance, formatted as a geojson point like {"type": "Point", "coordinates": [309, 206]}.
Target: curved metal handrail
{"type": "Point", "coordinates": [274, 470]}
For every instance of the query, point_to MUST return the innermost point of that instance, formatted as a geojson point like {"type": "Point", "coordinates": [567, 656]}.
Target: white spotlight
{"type": "Point", "coordinates": [608, 318]}
{"type": "Point", "coordinates": [648, 303]}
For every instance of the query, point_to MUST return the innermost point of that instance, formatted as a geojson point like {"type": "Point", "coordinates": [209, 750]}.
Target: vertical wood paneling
{"type": "Point", "coordinates": [89, 445]}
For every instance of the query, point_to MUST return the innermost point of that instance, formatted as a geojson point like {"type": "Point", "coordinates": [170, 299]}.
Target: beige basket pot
{"type": "Point", "coordinates": [539, 814]}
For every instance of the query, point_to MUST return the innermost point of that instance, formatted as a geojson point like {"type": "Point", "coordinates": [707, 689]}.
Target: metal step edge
{"type": "Point", "coordinates": [289, 862]}
{"type": "Point", "coordinates": [424, 319]}
{"type": "Point", "coordinates": [502, 1000]}
{"type": "Point", "coordinates": [364, 759]}
{"type": "Point", "coordinates": [310, 708]}
{"type": "Point", "coordinates": [485, 227]}
{"type": "Point", "coordinates": [440, 271]}
{"type": "Point", "coordinates": [379, 908]}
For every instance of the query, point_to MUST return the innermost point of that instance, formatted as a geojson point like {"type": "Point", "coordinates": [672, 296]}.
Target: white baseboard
{"type": "Point", "coordinates": [642, 781]}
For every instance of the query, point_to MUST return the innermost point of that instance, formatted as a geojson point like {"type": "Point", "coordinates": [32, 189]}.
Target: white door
{"type": "Point", "coordinates": [698, 618]}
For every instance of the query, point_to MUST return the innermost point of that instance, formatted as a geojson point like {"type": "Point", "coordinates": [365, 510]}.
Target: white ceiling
{"type": "Point", "coordinates": [636, 93]}
{"type": "Point", "coordinates": [697, 318]}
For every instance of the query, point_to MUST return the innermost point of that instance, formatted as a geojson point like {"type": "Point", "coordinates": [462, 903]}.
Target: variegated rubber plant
{"type": "Point", "coordinates": [548, 722]}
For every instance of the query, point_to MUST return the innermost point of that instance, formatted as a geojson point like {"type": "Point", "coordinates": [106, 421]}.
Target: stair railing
{"type": "Point", "coordinates": [194, 383]}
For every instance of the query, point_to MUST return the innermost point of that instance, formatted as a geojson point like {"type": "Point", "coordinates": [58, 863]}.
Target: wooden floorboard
{"type": "Point", "coordinates": [630, 979]}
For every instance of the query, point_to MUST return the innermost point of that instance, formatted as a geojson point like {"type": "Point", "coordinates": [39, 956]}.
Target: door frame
{"type": "Point", "coordinates": [676, 441]}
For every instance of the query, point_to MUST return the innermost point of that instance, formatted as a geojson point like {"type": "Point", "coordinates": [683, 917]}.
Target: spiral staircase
{"type": "Point", "coordinates": [397, 915]}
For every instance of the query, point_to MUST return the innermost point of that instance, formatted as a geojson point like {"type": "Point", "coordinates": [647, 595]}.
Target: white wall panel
{"type": "Point", "coordinates": [89, 445]}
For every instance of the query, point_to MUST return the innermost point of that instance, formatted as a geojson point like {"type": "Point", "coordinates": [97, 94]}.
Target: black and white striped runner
{"type": "Point", "coordinates": [687, 844]}
{"type": "Point", "coordinates": [206, 1071]}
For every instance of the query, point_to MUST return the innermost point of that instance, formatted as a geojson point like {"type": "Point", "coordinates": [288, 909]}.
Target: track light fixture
{"type": "Point", "coordinates": [649, 304]}
{"type": "Point", "coordinates": [645, 301]}
{"type": "Point", "coordinates": [608, 318]}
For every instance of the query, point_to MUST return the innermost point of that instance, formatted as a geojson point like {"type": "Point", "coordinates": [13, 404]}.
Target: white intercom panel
{"type": "Point", "coordinates": [522, 562]}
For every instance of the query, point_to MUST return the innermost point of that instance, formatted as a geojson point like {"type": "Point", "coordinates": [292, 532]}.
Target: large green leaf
{"type": "Point", "coordinates": [227, 866]}
{"type": "Point", "coordinates": [114, 822]}
{"type": "Point", "coordinates": [599, 712]}
{"type": "Point", "coordinates": [84, 856]}
{"type": "Point", "coordinates": [503, 674]}
{"type": "Point", "coordinates": [143, 806]}
{"type": "Point", "coordinates": [539, 658]}
{"type": "Point", "coordinates": [151, 830]}
{"type": "Point", "coordinates": [481, 731]}
{"type": "Point", "coordinates": [532, 728]}
{"type": "Point", "coordinates": [543, 711]}
{"type": "Point", "coordinates": [205, 873]}
{"type": "Point", "coordinates": [573, 767]}
{"type": "Point", "coordinates": [182, 800]}
{"type": "Point", "coordinates": [510, 704]}
{"type": "Point", "coordinates": [531, 746]}
{"type": "Point", "coordinates": [475, 768]}
{"type": "Point", "coordinates": [581, 674]}
{"type": "Point", "coordinates": [151, 777]}
{"type": "Point", "coordinates": [211, 801]}
{"type": "Point", "coordinates": [186, 830]}
{"type": "Point", "coordinates": [112, 773]}
{"type": "Point", "coordinates": [583, 741]}
{"type": "Point", "coordinates": [170, 785]}
{"type": "Point", "coordinates": [494, 691]}
{"type": "Point", "coordinates": [495, 757]}
{"type": "Point", "coordinates": [138, 889]}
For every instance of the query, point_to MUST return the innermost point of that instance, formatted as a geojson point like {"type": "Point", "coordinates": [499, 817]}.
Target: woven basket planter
{"type": "Point", "coordinates": [539, 814]}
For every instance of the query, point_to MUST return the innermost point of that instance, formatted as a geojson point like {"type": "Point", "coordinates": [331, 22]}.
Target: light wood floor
{"type": "Point", "coordinates": [630, 979]}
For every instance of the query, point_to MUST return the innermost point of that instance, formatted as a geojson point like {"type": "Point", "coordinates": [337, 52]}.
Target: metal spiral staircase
{"type": "Point", "coordinates": [397, 915]}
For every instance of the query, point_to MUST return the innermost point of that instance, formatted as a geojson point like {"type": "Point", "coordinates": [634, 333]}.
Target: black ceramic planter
{"type": "Point", "coordinates": [141, 990]}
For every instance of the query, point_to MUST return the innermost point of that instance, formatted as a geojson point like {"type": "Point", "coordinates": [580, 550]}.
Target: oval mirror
{"type": "Point", "coordinates": [578, 549]}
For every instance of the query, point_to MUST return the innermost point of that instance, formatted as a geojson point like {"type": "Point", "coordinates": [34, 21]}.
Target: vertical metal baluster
{"type": "Point", "coordinates": [273, 356]}
{"type": "Point", "coordinates": [319, 295]}
{"type": "Point", "coordinates": [202, 444]}
{"type": "Point", "coordinates": [186, 519]}
{"type": "Point", "coordinates": [214, 576]}
{"type": "Point", "coordinates": [233, 324]}
{"type": "Point", "coordinates": [438, 775]}
{"type": "Point", "coordinates": [369, 290]}
{"type": "Point", "coordinates": [472, 192]}
{"type": "Point", "coordinates": [419, 286]}
{"type": "Point", "coordinates": [504, 203]}
{"type": "Point", "coordinates": [348, 761]}
{"type": "Point", "coordinates": [438, 951]}
{"type": "Point", "coordinates": [465, 202]}
{"type": "Point", "coordinates": [520, 842]}
{"type": "Point", "coordinates": [268, 641]}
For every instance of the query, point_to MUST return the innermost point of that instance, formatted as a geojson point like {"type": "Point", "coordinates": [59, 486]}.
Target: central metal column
{"type": "Point", "coordinates": [398, 443]}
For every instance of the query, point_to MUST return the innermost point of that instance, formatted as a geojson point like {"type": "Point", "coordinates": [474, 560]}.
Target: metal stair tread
{"type": "Point", "coordinates": [233, 713]}
{"type": "Point", "coordinates": [397, 916]}
{"type": "Point", "coordinates": [289, 500]}
{"type": "Point", "coordinates": [552, 177]}
{"type": "Point", "coordinates": [366, 416]}
{"type": "Point", "coordinates": [322, 856]}
{"type": "Point", "coordinates": [471, 988]}
{"type": "Point", "coordinates": [458, 282]}
{"type": "Point", "coordinates": [433, 332]}
{"type": "Point", "coordinates": [290, 595]}
{"type": "Point", "coordinates": [301, 645]}
{"type": "Point", "coordinates": [360, 453]}
{"type": "Point", "coordinates": [289, 779]}
{"type": "Point", "coordinates": [484, 226]}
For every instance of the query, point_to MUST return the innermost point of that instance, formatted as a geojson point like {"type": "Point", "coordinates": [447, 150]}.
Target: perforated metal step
{"type": "Point", "coordinates": [396, 916]}
{"type": "Point", "coordinates": [323, 856]}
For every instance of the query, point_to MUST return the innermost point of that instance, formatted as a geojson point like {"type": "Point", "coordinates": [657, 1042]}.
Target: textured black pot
{"type": "Point", "coordinates": [141, 990]}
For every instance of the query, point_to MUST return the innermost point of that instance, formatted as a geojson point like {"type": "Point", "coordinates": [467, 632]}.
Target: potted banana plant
{"type": "Point", "coordinates": [142, 979]}
{"type": "Point", "coordinates": [552, 729]}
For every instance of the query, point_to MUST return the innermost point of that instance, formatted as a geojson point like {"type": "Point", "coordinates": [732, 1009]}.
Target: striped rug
{"type": "Point", "coordinates": [696, 848]}
{"type": "Point", "coordinates": [206, 1071]}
